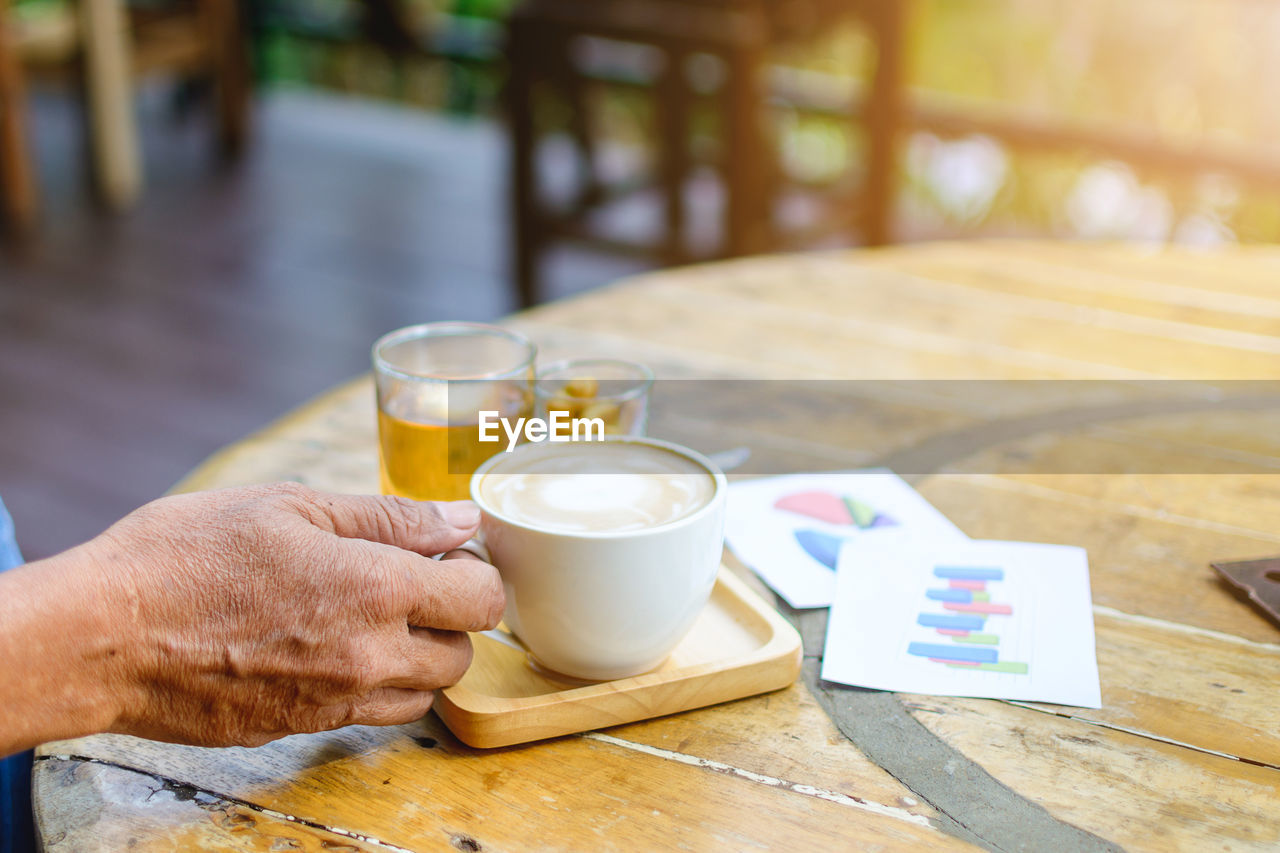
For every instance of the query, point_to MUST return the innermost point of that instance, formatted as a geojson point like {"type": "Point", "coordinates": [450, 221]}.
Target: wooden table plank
{"type": "Point", "coordinates": [415, 786]}
{"type": "Point", "coordinates": [106, 808]}
{"type": "Point", "coordinates": [896, 316]}
{"type": "Point", "coordinates": [1238, 276]}
{"type": "Point", "coordinates": [926, 341]}
{"type": "Point", "coordinates": [1032, 278]}
{"type": "Point", "coordinates": [1251, 436]}
{"type": "Point", "coordinates": [1246, 505]}
{"type": "Point", "coordinates": [1214, 693]}
{"type": "Point", "coordinates": [783, 734]}
{"type": "Point", "coordinates": [1140, 793]}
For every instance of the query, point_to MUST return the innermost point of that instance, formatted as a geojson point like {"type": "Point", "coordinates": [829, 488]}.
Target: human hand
{"type": "Point", "coordinates": [243, 615]}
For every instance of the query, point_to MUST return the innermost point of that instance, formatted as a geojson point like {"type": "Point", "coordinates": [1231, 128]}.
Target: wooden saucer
{"type": "Point", "coordinates": [738, 647]}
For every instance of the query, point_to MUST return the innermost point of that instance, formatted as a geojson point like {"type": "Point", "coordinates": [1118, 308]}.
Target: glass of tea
{"type": "Point", "coordinates": [433, 381]}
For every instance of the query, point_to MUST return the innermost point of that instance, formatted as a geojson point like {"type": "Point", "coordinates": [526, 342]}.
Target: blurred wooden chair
{"type": "Point", "coordinates": [17, 186]}
{"type": "Point", "coordinates": [740, 33]}
{"type": "Point", "coordinates": [108, 45]}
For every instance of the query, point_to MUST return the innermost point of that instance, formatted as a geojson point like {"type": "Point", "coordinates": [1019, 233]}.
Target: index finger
{"type": "Point", "coordinates": [427, 527]}
{"type": "Point", "coordinates": [456, 593]}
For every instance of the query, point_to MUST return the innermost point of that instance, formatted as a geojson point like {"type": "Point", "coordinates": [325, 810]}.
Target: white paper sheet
{"type": "Point", "coordinates": [790, 529]}
{"type": "Point", "coordinates": [1039, 627]}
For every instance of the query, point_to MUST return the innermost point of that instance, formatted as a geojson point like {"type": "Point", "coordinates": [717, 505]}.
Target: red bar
{"type": "Point", "coordinates": [955, 662]}
{"type": "Point", "coordinates": [978, 585]}
{"type": "Point", "coordinates": [978, 607]}
{"type": "Point", "coordinates": [952, 632]}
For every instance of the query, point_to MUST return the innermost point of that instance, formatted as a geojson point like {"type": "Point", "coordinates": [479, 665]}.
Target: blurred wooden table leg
{"type": "Point", "coordinates": [109, 94]}
{"type": "Point", "coordinates": [748, 224]}
{"type": "Point", "coordinates": [522, 40]}
{"type": "Point", "coordinates": [884, 117]}
{"type": "Point", "coordinates": [231, 74]}
{"type": "Point", "coordinates": [17, 186]}
{"type": "Point", "coordinates": [673, 148]}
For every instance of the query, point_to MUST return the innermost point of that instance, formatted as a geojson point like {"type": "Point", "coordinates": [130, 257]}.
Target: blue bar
{"type": "Point", "coordinates": [967, 573]}
{"type": "Point", "coordinates": [955, 623]}
{"type": "Point", "coordinates": [929, 650]}
{"type": "Point", "coordinates": [964, 596]}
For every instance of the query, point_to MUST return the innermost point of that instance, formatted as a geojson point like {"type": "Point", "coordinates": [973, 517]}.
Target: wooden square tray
{"type": "Point", "coordinates": [738, 647]}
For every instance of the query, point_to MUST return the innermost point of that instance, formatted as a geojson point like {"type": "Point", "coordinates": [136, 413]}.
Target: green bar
{"type": "Point", "coordinates": [982, 596]}
{"type": "Point", "coordinates": [985, 639]}
{"type": "Point", "coordinates": [1015, 668]}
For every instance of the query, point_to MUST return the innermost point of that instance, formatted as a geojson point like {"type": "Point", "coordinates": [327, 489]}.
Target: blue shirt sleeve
{"type": "Point", "coordinates": [17, 832]}
{"type": "Point", "coordinates": [10, 556]}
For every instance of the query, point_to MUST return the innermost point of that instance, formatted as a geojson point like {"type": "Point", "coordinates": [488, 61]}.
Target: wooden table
{"type": "Point", "coordinates": [1184, 754]}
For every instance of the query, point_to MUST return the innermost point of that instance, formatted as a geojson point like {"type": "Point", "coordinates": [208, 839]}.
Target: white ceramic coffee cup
{"type": "Point", "coordinates": [600, 605]}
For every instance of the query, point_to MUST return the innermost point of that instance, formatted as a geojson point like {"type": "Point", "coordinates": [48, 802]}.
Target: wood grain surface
{"type": "Point", "coordinates": [1184, 753]}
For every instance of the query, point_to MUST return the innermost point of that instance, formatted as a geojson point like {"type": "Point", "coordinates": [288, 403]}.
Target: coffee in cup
{"type": "Point", "coordinates": [608, 549]}
{"type": "Point", "coordinates": [611, 487]}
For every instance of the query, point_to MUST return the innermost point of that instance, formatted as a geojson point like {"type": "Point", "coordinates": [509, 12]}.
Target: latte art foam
{"type": "Point", "coordinates": [596, 487]}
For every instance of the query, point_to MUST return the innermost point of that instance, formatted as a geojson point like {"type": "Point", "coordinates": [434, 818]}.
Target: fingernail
{"type": "Point", "coordinates": [463, 515]}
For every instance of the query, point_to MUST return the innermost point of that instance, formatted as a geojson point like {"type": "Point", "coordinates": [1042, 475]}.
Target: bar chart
{"type": "Point", "coordinates": [965, 640]}
{"type": "Point", "coordinates": [996, 619]}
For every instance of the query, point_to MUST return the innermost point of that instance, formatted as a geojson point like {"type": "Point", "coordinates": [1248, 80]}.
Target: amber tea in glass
{"type": "Point", "coordinates": [432, 382]}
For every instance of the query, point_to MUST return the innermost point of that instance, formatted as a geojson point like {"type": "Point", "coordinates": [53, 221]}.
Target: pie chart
{"type": "Point", "coordinates": [823, 547]}
{"type": "Point", "coordinates": [834, 509]}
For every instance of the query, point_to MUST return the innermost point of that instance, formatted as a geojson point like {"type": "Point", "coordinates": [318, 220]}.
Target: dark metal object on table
{"type": "Point", "coordinates": [1256, 580]}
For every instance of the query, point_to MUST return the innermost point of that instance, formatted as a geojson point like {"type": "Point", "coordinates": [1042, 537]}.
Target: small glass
{"type": "Point", "coordinates": [611, 389]}
{"type": "Point", "coordinates": [432, 381]}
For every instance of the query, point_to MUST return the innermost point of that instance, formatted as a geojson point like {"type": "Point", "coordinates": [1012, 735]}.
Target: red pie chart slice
{"type": "Point", "coordinates": [823, 506]}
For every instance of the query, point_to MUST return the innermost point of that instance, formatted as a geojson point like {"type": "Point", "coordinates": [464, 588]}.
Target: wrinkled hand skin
{"type": "Point", "coordinates": [234, 617]}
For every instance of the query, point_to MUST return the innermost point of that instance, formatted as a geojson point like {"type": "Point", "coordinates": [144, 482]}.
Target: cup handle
{"type": "Point", "coordinates": [475, 545]}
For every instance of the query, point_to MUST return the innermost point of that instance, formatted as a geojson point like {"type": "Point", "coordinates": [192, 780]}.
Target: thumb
{"type": "Point", "coordinates": [427, 527]}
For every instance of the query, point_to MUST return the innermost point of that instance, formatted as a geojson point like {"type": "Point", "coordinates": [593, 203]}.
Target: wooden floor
{"type": "Point", "coordinates": [132, 348]}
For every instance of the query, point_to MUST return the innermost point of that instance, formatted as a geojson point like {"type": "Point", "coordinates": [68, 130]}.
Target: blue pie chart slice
{"type": "Point", "coordinates": [823, 547]}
